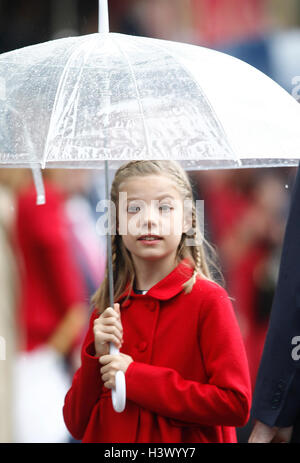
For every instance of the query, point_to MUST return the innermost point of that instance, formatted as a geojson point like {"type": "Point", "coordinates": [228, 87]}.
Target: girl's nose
{"type": "Point", "coordinates": [150, 216]}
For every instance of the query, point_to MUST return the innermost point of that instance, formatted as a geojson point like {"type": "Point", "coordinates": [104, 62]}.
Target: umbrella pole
{"type": "Point", "coordinates": [109, 249]}
{"type": "Point", "coordinates": [103, 17]}
{"type": "Point", "coordinates": [119, 393]}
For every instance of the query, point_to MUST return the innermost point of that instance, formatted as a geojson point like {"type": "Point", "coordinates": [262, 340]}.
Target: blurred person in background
{"type": "Point", "coordinates": [10, 181]}
{"type": "Point", "coordinates": [81, 210]}
{"type": "Point", "coordinates": [52, 312]}
{"type": "Point", "coordinates": [223, 22]}
{"type": "Point", "coordinates": [168, 19]}
{"type": "Point", "coordinates": [285, 44]}
{"type": "Point", "coordinates": [240, 30]}
{"type": "Point", "coordinates": [264, 33]}
{"type": "Point", "coordinates": [246, 212]}
{"type": "Point", "coordinates": [276, 403]}
{"type": "Point", "coordinates": [246, 217]}
{"type": "Point", "coordinates": [249, 30]}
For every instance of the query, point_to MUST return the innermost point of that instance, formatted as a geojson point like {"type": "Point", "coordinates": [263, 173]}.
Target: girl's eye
{"type": "Point", "coordinates": [165, 208]}
{"type": "Point", "coordinates": [134, 209]}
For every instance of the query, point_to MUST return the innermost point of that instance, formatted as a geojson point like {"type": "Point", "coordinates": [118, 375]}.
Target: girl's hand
{"type": "Point", "coordinates": [108, 328]}
{"type": "Point", "coordinates": [112, 364]}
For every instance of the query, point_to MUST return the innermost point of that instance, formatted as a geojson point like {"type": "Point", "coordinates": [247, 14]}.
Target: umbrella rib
{"type": "Point", "coordinates": [146, 133]}
{"type": "Point", "coordinates": [207, 100]}
{"type": "Point", "coordinates": [57, 96]}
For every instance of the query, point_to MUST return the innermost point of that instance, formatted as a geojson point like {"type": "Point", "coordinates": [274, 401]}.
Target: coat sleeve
{"type": "Point", "coordinates": [86, 388]}
{"type": "Point", "coordinates": [225, 398]}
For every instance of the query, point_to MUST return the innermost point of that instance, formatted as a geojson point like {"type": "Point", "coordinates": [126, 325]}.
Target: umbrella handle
{"type": "Point", "coordinates": [119, 393]}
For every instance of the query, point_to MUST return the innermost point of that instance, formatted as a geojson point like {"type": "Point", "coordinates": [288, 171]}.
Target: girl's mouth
{"type": "Point", "coordinates": [149, 239]}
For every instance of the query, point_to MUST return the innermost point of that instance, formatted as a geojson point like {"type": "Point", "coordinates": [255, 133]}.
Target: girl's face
{"type": "Point", "coordinates": [151, 205]}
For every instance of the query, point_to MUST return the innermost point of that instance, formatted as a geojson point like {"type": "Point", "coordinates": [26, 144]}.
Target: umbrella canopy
{"type": "Point", "coordinates": [76, 101]}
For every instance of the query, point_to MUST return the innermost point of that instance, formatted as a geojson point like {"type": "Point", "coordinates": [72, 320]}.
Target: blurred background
{"type": "Point", "coordinates": [51, 257]}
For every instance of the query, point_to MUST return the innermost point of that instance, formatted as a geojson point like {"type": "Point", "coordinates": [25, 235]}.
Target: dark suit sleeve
{"type": "Point", "coordinates": [276, 400]}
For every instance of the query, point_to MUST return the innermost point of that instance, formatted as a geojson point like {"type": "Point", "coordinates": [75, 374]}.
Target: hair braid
{"type": "Point", "coordinates": [195, 252]}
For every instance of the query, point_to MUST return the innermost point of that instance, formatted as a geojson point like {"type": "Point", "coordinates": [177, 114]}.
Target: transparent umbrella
{"type": "Point", "coordinates": [76, 102]}
{"type": "Point", "coordinates": [73, 102]}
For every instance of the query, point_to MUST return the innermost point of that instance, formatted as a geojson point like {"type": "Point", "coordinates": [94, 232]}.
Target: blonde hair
{"type": "Point", "coordinates": [204, 260]}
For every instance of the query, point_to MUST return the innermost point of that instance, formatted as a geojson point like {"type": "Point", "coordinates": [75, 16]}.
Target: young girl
{"type": "Point", "coordinates": [185, 367]}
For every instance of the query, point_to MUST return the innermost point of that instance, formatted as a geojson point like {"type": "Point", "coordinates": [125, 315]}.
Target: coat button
{"type": "Point", "coordinates": [276, 400]}
{"type": "Point", "coordinates": [126, 303]}
{"type": "Point", "coordinates": [142, 346]}
{"type": "Point", "coordinates": [151, 305]}
{"type": "Point", "coordinates": [281, 385]}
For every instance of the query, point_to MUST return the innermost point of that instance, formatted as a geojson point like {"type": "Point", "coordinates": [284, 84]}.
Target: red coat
{"type": "Point", "coordinates": [51, 282]}
{"type": "Point", "coordinates": [189, 381]}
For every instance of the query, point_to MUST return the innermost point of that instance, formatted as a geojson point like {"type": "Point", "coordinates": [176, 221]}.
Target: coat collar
{"type": "Point", "coordinates": [169, 286]}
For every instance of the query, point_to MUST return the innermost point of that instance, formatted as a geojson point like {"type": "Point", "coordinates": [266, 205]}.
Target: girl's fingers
{"type": "Point", "coordinates": [108, 359]}
{"type": "Point", "coordinates": [108, 337]}
{"type": "Point", "coordinates": [108, 321]}
{"type": "Point", "coordinates": [112, 330]}
{"type": "Point", "coordinates": [112, 338]}
{"type": "Point", "coordinates": [117, 308]}
{"type": "Point", "coordinates": [112, 321]}
{"type": "Point", "coordinates": [109, 369]}
{"type": "Point", "coordinates": [108, 376]}
{"type": "Point", "coordinates": [102, 334]}
{"type": "Point", "coordinates": [110, 384]}
{"type": "Point", "coordinates": [105, 377]}
{"type": "Point", "coordinates": [109, 312]}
